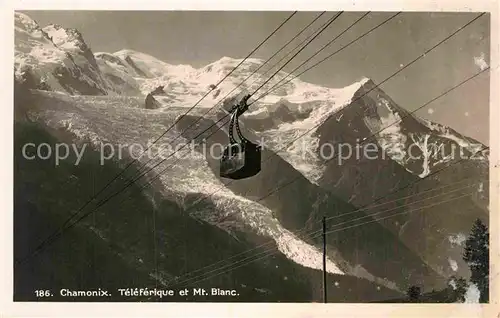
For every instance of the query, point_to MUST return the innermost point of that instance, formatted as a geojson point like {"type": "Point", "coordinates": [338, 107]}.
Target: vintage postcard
{"type": "Point", "coordinates": [338, 155]}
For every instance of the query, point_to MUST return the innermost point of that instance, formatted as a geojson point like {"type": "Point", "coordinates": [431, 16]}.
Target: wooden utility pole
{"type": "Point", "coordinates": [324, 260]}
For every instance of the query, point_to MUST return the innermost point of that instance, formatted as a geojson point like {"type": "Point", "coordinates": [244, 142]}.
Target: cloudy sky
{"type": "Point", "coordinates": [199, 38]}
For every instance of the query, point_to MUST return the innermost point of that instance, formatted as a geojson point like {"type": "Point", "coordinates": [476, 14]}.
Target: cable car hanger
{"type": "Point", "coordinates": [240, 159]}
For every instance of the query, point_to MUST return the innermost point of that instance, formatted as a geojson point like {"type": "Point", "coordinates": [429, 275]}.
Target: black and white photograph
{"type": "Point", "coordinates": [251, 156]}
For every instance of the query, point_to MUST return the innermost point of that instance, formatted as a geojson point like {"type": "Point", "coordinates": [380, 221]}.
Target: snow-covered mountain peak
{"type": "Point", "coordinates": [123, 53]}
{"type": "Point", "coordinates": [24, 23]}
{"type": "Point", "coordinates": [59, 61]}
{"type": "Point", "coordinates": [109, 57]}
{"type": "Point", "coordinates": [149, 66]}
{"type": "Point", "coordinates": [67, 39]}
{"type": "Point", "coordinates": [354, 91]}
{"type": "Point", "coordinates": [232, 61]}
{"type": "Point", "coordinates": [225, 65]}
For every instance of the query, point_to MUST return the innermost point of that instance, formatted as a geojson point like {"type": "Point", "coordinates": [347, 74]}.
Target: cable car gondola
{"type": "Point", "coordinates": [240, 159]}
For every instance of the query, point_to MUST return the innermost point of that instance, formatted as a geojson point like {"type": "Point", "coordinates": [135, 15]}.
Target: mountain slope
{"type": "Point", "coordinates": [100, 122]}
{"type": "Point", "coordinates": [407, 150]}
{"type": "Point", "coordinates": [182, 242]}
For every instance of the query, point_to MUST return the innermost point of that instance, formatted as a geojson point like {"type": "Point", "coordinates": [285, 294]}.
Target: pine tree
{"type": "Point", "coordinates": [476, 254]}
{"type": "Point", "coordinates": [457, 289]}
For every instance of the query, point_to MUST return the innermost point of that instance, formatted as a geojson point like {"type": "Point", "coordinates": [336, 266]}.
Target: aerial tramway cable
{"type": "Point", "coordinates": [411, 62]}
{"type": "Point", "coordinates": [317, 233]}
{"type": "Point", "coordinates": [55, 236]}
{"type": "Point", "coordinates": [441, 95]}
{"type": "Point", "coordinates": [392, 192]}
{"type": "Point", "coordinates": [419, 180]}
